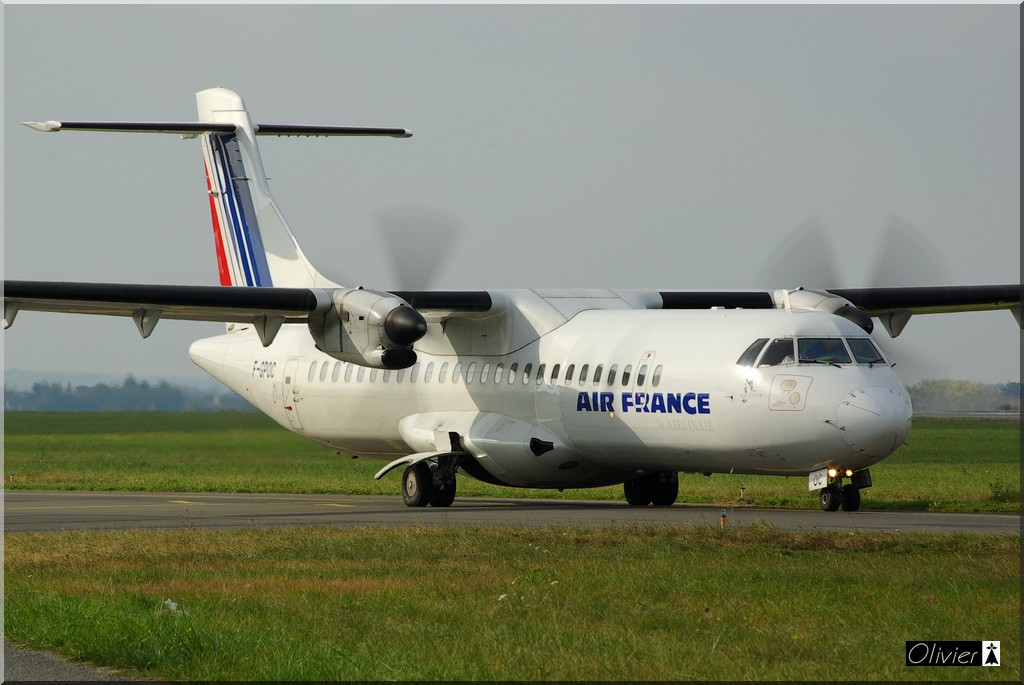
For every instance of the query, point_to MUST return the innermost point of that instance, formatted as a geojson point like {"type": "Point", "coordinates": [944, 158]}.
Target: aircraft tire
{"type": "Point", "coordinates": [851, 498]}
{"type": "Point", "coordinates": [417, 485]}
{"type": "Point", "coordinates": [443, 498]}
{"type": "Point", "coordinates": [639, 492]}
{"type": "Point", "coordinates": [831, 497]}
{"type": "Point", "coordinates": [665, 489]}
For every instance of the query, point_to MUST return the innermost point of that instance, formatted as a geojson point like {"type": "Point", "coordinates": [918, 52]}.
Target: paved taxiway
{"type": "Point", "coordinates": [32, 510]}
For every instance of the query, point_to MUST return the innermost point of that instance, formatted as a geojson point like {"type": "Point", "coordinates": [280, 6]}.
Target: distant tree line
{"type": "Point", "coordinates": [947, 395]}
{"type": "Point", "coordinates": [132, 395]}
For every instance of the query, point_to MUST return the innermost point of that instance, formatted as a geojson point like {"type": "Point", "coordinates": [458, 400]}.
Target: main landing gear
{"type": "Point", "coordinates": [660, 489]}
{"type": "Point", "coordinates": [434, 484]}
{"type": "Point", "coordinates": [835, 495]}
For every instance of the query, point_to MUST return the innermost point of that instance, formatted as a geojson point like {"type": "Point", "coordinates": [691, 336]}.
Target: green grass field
{"type": "Point", "coordinates": [948, 465]}
{"type": "Point", "coordinates": [508, 604]}
{"type": "Point", "coordinates": [416, 603]}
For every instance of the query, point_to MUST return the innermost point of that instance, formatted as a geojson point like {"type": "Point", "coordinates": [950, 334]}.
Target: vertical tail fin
{"type": "Point", "coordinates": [255, 246]}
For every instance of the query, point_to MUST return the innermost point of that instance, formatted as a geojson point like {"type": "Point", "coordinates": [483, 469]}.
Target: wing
{"type": "Point", "coordinates": [894, 306]}
{"type": "Point", "coordinates": [268, 308]}
{"type": "Point", "coordinates": [265, 308]}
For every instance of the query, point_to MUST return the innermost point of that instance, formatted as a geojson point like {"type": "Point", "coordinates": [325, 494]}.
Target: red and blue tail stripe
{"type": "Point", "coordinates": [241, 258]}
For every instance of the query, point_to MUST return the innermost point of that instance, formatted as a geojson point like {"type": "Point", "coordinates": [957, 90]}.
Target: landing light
{"type": "Point", "coordinates": [832, 473]}
{"type": "Point", "coordinates": [848, 472]}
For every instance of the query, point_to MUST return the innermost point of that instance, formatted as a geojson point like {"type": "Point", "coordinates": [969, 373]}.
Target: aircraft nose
{"type": "Point", "coordinates": [875, 421]}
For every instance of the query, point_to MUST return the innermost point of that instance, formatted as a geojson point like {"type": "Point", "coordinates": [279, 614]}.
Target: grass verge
{"type": "Point", "coordinates": [605, 604]}
{"type": "Point", "coordinates": [948, 465]}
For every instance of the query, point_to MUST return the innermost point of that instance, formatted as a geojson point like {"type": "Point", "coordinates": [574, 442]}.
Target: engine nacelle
{"type": "Point", "coordinates": [828, 302]}
{"type": "Point", "coordinates": [368, 328]}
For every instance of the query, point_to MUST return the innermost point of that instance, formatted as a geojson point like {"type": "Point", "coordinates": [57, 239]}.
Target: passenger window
{"type": "Point", "coordinates": [513, 371]}
{"type": "Point", "coordinates": [865, 352]}
{"type": "Point", "coordinates": [348, 372]}
{"type": "Point", "coordinates": [611, 374]}
{"type": "Point", "coordinates": [597, 373]}
{"type": "Point", "coordinates": [414, 372]}
{"type": "Point", "coordinates": [822, 351]}
{"type": "Point", "coordinates": [554, 373]}
{"type": "Point", "coordinates": [400, 375]}
{"type": "Point", "coordinates": [428, 373]}
{"type": "Point", "coordinates": [470, 372]}
{"type": "Point", "coordinates": [499, 373]}
{"type": "Point", "coordinates": [656, 378]}
{"type": "Point", "coordinates": [443, 374]}
{"type": "Point", "coordinates": [485, 372]}
{"type": "Point", "coordinates": [641, 375]}
{"type": "Point", "coordinates": [779, 352]}
{"type": "Point", "coordinates": [583, 373]}
{"type": "Point", "coordinates": [750, 354]}
{"type": "Point", "coordinates": [457, 373]}
{"type": "Point", "coordinates": [387, 375]}
{"type": "Point", "coordinates": [527, 372]}
{"type": "Point", "coordinates": [626, 372]}
{"type": "Point", "coordinates": [362, 374]}
{"type": "Point", "coordinates": [336, 372]}
{"type": "Point", "coordinates": [540, 374]}
{"type": "Point", "coordinates": [568, 373]}
{"type": "Point", "coordinates": [312, 372]}
{"type": "Point", "coordinates": [323, 371]}
{"type": "Point", "coordinates": [373, 375]}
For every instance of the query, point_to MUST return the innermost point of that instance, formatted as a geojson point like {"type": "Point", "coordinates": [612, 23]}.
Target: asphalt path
{"type": "Point", "coordinates": [49, 510]}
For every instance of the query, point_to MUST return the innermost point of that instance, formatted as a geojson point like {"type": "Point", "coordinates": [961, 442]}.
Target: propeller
{"type": "Point", "coordinates": [419, 241]}
{"type": "Point", "coordinates": [905, 257]}
{"type": "Point", "coordinates": [805, 257]}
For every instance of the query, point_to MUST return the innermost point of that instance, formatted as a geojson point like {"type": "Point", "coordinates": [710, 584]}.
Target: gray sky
{"type": "Point", "coordinates": [577, 146]}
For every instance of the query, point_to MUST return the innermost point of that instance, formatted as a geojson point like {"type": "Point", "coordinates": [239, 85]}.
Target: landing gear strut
{"type": "Point", "coordinates": [434, 484]}
{"type": "Point", "coordinates": [660, 488]}
{"type": "Point", "coordinates": [836, 495]}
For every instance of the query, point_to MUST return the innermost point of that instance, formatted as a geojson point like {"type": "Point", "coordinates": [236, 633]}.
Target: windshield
{"type": "Point", "coordinates": [823, 351]}
{"type": "Point", "coordinates": [779, 352]}
{"type": "Point", "coordinates": [864, 351]}
{"type": "Point", "coordinates": [748, 357]}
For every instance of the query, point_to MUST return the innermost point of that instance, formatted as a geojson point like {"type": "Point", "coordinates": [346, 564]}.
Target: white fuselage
{"type": "Point", "coordinates": [692, 409]}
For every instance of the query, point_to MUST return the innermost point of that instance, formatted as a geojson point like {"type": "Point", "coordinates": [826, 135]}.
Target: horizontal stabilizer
{"type": "Point", "coordinates": [187, 128]}
{"type": "Point", "coordinates": [184, 128]}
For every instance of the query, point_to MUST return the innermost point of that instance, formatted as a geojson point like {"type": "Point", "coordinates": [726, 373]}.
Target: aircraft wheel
{"type": "Point", "coordinates": [417, 485]}
{"type": "Point", "coordinates": [666, 489]}
{"type": "Point", "coordinates": [638, 492]}
{"type": "Point", "coordinates": [443, 497]}
{"type": "Point", "coordinates": [851, 498]}
{"type": "Point", "coordinates": [831, 497]}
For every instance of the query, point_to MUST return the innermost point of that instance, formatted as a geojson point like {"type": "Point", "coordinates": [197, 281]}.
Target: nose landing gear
{"type": "Point", "coordinates": [835, 495]}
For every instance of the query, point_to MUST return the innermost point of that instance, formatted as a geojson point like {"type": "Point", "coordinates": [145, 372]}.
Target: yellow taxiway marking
{"type": "Point", "coordinates": [333, 504]}
{"type": "Point", "coordinates": [183, 501]}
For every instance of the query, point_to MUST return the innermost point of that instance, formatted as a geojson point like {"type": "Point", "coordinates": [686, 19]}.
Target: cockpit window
{"type": "Point", "coordinates": [779, 352]}
{"type": "Point", "coordinates": [822, 351]}
{"type": "Point", "coordinates": [748, 357]}
{"type": "Point", "coordinates": [864, 351]}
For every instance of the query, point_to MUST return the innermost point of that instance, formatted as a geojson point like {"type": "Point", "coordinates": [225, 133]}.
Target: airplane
{"type": "Point", "coordinates": [527, 388]}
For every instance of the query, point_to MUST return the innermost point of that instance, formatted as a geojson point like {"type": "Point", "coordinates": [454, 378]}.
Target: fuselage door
{"type": "Point", "coordinates": [290, 393]}
{"type": "Point", "coordinates": [640, 382]}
